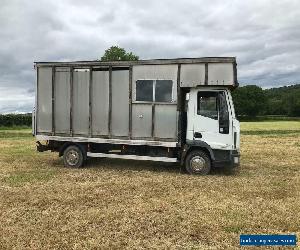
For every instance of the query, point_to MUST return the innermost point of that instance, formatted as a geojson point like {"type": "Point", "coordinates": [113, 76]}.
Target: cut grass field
{"type": "Point", "coordinates": [128, 204]}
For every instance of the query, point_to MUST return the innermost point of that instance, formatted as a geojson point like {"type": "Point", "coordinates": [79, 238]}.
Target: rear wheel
{"type": "Point", "coordinates": [198, 163]}
{"type": "Point", "coordinates": [73, 157]}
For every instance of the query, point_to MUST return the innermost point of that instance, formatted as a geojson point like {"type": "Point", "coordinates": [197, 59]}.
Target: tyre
{"type": "Point", "coordinates": [73, 157]}
{"type": "Point", "coordinates": [198, 163]}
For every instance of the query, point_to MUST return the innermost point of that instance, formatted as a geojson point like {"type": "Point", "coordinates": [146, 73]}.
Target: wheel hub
{"type": "Point", "coordinates": [72, 157]}
{"type": "Point", "coordinates": [197, 163]}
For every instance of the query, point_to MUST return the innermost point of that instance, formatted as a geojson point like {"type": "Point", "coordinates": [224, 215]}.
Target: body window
{"type": "Point", "coordinates": [207, 104]}
{"type": "Point", "coordinates": [163, 91]}
{"type": "Point", "coordinates": [144, 90]}
{"type": "Point", "coordinates": [154, 90]}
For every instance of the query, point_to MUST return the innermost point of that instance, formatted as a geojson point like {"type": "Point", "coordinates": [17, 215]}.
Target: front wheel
{"type": "Point", "coordinates": [198, 163]}
{"type": "Point", "coordinates": [73, 157]}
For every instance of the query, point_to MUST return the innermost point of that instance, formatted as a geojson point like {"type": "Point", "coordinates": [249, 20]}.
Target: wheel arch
{"type": "Point", "coordinates": [196, 145]}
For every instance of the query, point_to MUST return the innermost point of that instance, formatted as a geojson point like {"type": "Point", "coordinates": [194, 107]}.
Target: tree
{"type": "Point", "coordinates": [115, 53]}
{"type": "Point", "coordinates": [292, 104]}
{"type": "Point", "coordinates": [249, 100]}
{"type": "Point", "coordinates": [284, 100]}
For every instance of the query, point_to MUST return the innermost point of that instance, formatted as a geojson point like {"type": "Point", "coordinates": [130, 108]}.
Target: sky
{"type": "Point", "coordinates": [263, 35]}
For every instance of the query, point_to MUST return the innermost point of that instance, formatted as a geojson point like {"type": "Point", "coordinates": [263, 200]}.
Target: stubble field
{"type": "Point", "coordinates": [115, 204]}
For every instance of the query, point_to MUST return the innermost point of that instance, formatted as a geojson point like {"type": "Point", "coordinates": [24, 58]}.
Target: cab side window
{"type": "Point", "coordinates": [207, 104]}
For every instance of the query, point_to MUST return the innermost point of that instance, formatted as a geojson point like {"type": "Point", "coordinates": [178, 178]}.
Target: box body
{"type": "Point", "coordinates": [134, 101]}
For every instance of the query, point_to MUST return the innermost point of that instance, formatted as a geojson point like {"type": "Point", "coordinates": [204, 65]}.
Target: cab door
{"type": "Point", "coordinates": [209, 119]}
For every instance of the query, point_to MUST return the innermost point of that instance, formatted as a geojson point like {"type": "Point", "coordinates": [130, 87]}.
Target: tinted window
{"type": "Point", "coordinates": [223, 114]}
{"type": "Point", "coordinates": [144, 90]}
{"type": "Point", "coordinates": [163, 91]}
{"type": "Point", "coordinates": [208, 104]}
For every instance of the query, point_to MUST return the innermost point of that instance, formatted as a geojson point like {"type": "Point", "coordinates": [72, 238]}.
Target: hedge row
{"type": "Point", "coordinates": [11, 120]}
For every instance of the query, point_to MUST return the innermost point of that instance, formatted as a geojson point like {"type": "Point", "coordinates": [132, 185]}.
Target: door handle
{"type": "Point", "coordinates": [197, 135]}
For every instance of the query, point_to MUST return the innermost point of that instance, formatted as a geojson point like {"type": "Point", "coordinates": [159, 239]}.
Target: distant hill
{"type": "Point", "coordinates": [272, 92]}
{"type": "Point", "coordinates": [252, 101]}
{"type": "Point", "coordinates": [283, 100]}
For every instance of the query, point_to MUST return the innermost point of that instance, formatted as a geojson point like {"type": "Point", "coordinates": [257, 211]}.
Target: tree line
{"type": "Point", "coordinates": [11, 120]}
{"type": "Point", "coordinates": [252, 101]}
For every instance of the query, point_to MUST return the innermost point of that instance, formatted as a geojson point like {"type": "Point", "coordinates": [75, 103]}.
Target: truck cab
{"type": "Point", "coordinates": [212, 125]}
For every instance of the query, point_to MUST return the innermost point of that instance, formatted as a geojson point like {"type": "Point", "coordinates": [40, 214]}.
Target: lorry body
{"type": "Point", "coordinates": [170, 110]}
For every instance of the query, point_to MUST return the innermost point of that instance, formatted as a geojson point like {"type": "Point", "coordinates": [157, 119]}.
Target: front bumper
{"type": "Point", "coordinates": [226, 158]}
{"type": "Point", "coordinates": [235, 158]}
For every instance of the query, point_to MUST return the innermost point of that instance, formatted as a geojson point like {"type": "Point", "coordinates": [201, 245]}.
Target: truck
{"type": "Point", "coordinates": [166, 110]}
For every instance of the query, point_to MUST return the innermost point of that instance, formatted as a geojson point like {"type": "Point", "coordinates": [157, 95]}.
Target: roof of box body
{"type": "Point", "coordinates": [141, 62]}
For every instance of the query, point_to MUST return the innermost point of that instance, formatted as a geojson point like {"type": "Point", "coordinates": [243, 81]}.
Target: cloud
{"type": "Point", "coordinates": [264, 35]}
{"type": "Point", "coordinates": [16, 100]}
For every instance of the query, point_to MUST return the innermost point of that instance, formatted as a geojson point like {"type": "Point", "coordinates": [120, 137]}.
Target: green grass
{"type": "Point", "coordinates": [270, 125]}
{"type": "Point", "coordinates": [272, 132]}
{"type": "Point", "coordinates": [17, 134]}
{"type": "Point", "coordinates": [20, 178]}
{"type": "Point", "coordinates": [15, 128]}
{"type": "Point", "coordinates": [271, 128]}
{"type": "Point", "coordinates": [265, 118]}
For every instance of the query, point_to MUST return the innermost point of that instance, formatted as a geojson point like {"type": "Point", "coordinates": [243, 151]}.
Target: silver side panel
{"type": "Point", "coordinates": [192, 75]}
{"type": "Point", "coordinates": [220, 74]}
{"type": "Point", "coordinates": [120, 103]}
{"type": "Point", "coordinates": [62, 100]}
{"type": "Point", "coordinates": [80, 102]}
{"type": "Point", "coordinates": [154, 72]}
{"type": "Point", "coordinates": [100, 102]}
{"type": "Point", "coordinates": [103, 140]}
{"type": "Point", "coordinates": [165, 122]}
{"type": "Point", "coordinates": [44, 100]}
{"type": "Point", "coordinates": [141, 120]}
{"type": "Point", "coordinates": [132, 157]}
